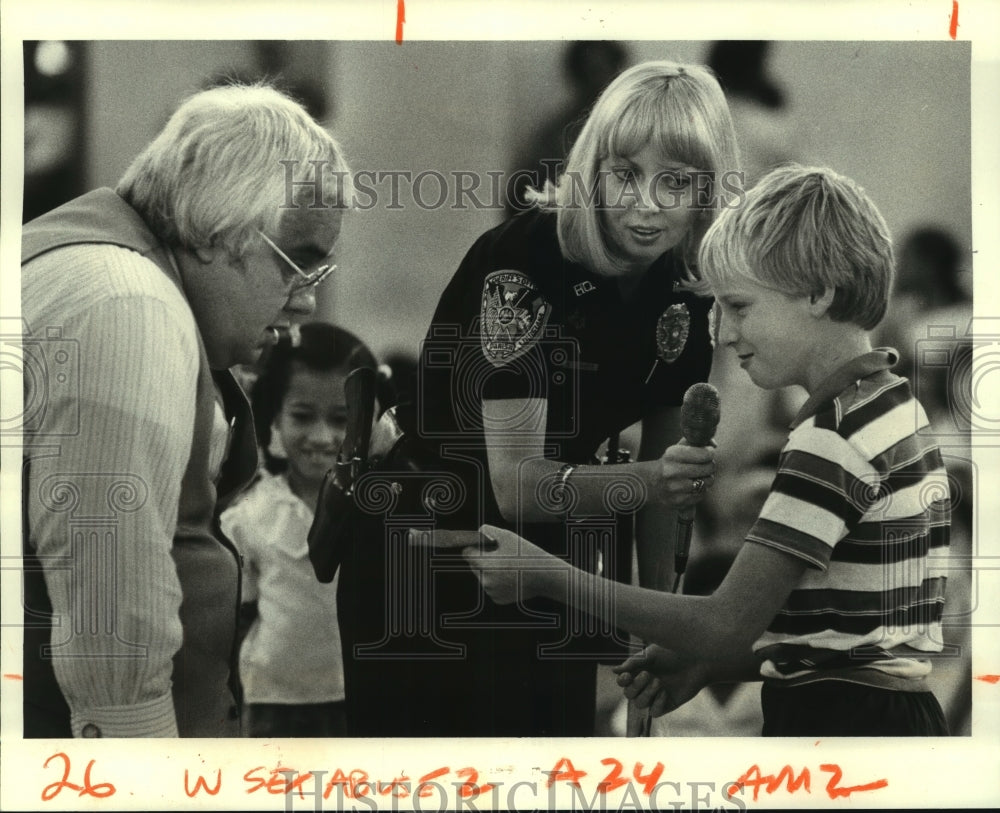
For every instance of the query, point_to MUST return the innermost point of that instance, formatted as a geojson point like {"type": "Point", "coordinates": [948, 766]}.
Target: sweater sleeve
{"type": "Point", "coordinates": [103, 504]}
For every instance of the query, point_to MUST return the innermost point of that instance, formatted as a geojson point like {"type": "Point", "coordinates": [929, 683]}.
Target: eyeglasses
{"type": "Point", "coordinates": [308, 280]}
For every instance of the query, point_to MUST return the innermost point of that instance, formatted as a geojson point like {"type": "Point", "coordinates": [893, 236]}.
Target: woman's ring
{"type": "Point", "coordinates": [697, 486]}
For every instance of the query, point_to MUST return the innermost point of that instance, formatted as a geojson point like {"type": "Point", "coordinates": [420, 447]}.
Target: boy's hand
{"type": "Point", "coordinates": [508, 566]}
{"type": "Point", "coordinates": [660, 680]}
{"type": "Point", "coordinates": [685, 474]}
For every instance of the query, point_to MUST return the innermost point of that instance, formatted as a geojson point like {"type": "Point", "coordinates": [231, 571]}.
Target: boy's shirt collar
{"type": "Point", "coordinates": [881, 358]}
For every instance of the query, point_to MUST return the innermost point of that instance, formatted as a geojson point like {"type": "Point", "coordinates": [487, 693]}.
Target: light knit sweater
{"type": "Point", "coordinates": [105, 475]}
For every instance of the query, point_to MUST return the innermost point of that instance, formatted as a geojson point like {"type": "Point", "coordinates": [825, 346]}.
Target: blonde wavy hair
{"type": "Point", "coordinates": [679, 109]}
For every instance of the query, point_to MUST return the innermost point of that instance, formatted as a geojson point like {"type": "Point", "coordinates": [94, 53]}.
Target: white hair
{"type": "Point", "coordinates": [230, 161]}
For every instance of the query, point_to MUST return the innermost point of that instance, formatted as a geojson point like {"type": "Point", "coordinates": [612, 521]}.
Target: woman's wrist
{"type": "Point", "coordinates": [648, 471]}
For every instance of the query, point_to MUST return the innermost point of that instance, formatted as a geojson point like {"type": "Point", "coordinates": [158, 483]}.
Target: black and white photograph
{"type": "Point", "coordinates": [415, 405]}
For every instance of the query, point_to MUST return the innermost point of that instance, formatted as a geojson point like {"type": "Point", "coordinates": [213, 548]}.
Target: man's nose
{"type": "Point", "coordinates": [301, 301]}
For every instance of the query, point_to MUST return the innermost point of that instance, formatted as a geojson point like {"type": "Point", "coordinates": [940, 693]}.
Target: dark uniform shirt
{"type": "Point", "coordinates": [520, 321]}
{"type": "Point", "coordinates": [516, 321]}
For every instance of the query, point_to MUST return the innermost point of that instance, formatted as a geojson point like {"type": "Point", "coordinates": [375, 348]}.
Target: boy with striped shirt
{"type": "Point", "coordinates": [833, 600]}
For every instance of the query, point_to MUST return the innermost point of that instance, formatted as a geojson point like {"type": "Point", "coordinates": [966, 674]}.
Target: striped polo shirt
{"type": "Point", "coordinates": [861, 494]}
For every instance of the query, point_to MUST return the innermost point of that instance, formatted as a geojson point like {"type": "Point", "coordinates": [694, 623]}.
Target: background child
{"type": "Point", "coordinates": [290, 660]}
{"type": "Point", "coordinates": [830, 600]}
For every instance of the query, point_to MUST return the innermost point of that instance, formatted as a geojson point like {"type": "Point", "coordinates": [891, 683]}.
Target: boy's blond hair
{"type": "Point", "coordinates": [800, 230]}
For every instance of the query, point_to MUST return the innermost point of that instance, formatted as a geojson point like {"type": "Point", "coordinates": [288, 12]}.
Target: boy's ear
{"type": "Point", "coordinates": [820, 301]}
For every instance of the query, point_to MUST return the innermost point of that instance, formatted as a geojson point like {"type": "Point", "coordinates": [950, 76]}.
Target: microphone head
{"type": "Point", "coordinates": [700, 414]}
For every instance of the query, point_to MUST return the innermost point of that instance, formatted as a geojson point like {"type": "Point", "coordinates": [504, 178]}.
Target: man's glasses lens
{"type": "Point", "coordinates": [307, 280]}
{"type": "Point", "coordinates": [315, 278]}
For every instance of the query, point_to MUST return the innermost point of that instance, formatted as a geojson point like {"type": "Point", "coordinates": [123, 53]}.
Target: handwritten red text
{"type": "Point", "coordinates": [99, 791]}
{"type": "Point", "coordinates": [787, 780]}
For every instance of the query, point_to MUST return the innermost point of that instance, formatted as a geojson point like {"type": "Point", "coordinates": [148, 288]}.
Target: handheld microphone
{"type": "Point", "coordinates": [699, 419]}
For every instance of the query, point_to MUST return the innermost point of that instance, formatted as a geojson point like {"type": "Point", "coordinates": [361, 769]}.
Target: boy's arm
{"type": "Point", "coordinates": [661, 680]}
{"type": "Point", "coordinates": [717, 627]}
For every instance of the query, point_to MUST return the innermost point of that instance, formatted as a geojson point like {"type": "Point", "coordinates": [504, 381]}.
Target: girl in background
{"type": "Point", "coordinates": [290, 660]}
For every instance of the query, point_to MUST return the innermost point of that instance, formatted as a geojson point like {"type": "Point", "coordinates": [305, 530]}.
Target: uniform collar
{"type": "Point", "coordinates": [882, 358]}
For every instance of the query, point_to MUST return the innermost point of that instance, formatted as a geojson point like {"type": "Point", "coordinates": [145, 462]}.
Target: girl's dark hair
{"type": "Point", "coordinates": [319, 346]}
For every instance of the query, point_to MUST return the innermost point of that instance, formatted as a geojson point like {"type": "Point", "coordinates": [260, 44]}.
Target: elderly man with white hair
{"type": "Point", "coordinates": [136, 301]}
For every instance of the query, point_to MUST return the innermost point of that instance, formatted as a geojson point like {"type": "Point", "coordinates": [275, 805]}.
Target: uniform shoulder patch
{"type": "Point", "coordinates": [513, 316]}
